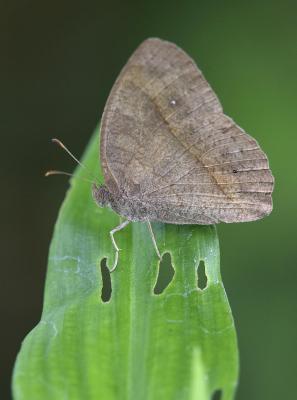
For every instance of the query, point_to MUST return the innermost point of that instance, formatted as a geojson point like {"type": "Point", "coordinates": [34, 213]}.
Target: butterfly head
{"type": "Point", "coordinates": [101, 195]}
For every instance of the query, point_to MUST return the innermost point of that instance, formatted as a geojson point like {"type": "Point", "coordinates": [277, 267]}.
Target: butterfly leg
{"type": "Point", "coordinates": [153, 238]}
{"type": "Point", "coordinates": [112, 232]}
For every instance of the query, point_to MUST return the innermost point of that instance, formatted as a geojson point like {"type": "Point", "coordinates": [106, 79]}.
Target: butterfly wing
{"type": "Point", "coordinates": [166, 141]}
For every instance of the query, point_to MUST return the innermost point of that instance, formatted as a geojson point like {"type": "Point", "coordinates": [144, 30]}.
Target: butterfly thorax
{"type": "Point", "coordinates": [132, 209]}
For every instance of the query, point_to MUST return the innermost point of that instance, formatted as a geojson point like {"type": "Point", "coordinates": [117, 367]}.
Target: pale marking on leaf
{"type": "Point", "coordinates": [65, 258]}
{"type": "Point", "coordinates": [216, 332]}
{"type": "Point", "coordinates": [52, 324]}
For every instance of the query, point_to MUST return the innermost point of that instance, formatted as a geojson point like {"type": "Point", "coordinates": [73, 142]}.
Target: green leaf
{"type": "Point", "coordinates": [177, 344]}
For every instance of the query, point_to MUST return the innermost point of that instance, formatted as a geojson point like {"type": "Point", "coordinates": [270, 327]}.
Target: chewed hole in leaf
{"type": "Point", "coordinates": [165, 275]}
{"type": "Point", "coordinates": [217, 395]}
{"type": "Point", "coordinates": [106, 282]}
{"type": "Point", "coordinates": [201, 276]}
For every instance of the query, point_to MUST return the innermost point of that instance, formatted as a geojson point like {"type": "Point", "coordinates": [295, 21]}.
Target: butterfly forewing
{"type": "Point", "coordinates": [166, 141]}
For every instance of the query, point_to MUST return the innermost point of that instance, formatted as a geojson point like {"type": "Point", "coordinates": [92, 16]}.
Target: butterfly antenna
{"type": "Point", "coordinates": [49, 173]}
{"type": "Point", "coordinates": [59, 143]}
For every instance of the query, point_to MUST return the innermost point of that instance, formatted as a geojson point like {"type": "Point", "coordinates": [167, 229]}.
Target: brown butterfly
{"type": "Point", "coordinates": [170, 154]}
{"type": "Point", "coordinates": [168, 151]}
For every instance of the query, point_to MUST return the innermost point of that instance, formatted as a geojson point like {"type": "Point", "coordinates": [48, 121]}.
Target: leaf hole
{"type": "Point", "coordinates": [165, 275]}
{"type": "Point", "coordinates": [217, 395]}
{"type": "Point", "coordinates": [201, 276]}
{"type": "Point", "coordinates": [106, 282]}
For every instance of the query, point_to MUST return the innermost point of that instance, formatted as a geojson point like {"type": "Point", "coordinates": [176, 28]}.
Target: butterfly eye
{"type": "Point", "coordinates": [172, 102]}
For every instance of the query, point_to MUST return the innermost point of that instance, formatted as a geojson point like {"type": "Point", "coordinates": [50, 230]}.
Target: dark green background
{"type": "Point", "coordinates": [58, 62]}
